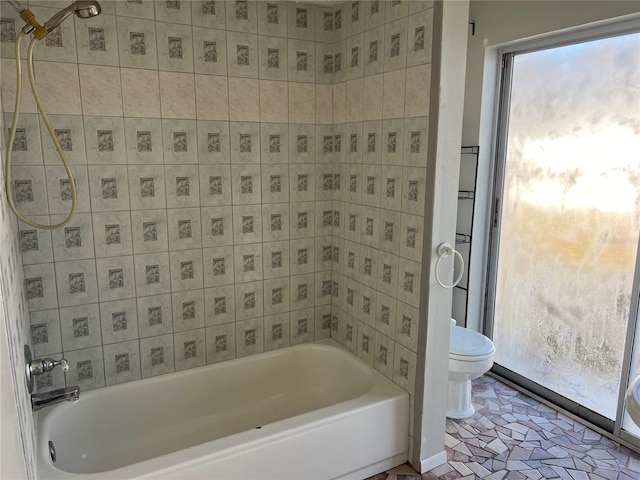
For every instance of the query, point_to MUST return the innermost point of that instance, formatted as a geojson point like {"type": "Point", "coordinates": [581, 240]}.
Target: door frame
{"type": "Point", "coordinates": [506, 55]}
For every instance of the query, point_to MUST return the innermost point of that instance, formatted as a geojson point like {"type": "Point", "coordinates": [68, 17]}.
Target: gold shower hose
{"type": "Point", "coordinates": [12, 134]}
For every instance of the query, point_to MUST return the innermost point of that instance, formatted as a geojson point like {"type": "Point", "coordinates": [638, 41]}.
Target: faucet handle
{"type": "Point", "coordinates": [40, 366]}
{"type": "Point", "coordinates": [49, 364]}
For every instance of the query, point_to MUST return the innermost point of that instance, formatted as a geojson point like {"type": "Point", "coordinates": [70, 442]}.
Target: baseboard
{"type": "Point", "coordinates": [433, 461]}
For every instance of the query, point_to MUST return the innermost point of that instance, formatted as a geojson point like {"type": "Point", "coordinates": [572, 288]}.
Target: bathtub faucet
{"type": "Point", "coordinates": [41, 400]}
{"type": "Point", "coordinates": [39, 366]}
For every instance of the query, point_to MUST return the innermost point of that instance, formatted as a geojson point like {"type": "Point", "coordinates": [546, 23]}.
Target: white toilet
{"type": "Point", "coordinates": [470, 356]}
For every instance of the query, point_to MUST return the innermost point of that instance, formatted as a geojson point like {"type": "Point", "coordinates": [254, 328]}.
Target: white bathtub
{"type": "Point", "coordinates": [312, 411]}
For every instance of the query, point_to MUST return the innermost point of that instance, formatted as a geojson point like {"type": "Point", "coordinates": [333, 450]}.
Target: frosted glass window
{"type": "Point", "coordinates": [570, 217]}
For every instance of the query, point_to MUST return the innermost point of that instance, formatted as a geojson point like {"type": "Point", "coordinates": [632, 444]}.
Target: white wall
{"type": "Point", "coordinates": [12, 463]}
{"type": "Point", "coordinates": [498, 23]}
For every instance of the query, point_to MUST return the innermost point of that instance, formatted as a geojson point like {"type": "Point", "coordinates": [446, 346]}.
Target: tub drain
{"type": "Point", "coordinates": [258, 427]}
{"type": "Point", "coordinates": [52, 451]}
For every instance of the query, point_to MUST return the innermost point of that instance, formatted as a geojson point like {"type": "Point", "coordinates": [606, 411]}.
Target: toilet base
{"type": "Point", "coordinates": [459, 402]}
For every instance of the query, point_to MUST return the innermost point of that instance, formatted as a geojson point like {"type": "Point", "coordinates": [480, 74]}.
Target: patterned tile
{"type": "Point", "coordinates": [513, 437]}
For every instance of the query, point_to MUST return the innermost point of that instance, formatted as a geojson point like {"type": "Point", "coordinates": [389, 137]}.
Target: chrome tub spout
{"type": "Point", "coordinates": [41, 400]}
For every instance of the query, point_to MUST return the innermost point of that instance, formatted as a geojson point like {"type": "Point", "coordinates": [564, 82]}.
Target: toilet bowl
{"type": "Point", "coordinates": [470, 356]}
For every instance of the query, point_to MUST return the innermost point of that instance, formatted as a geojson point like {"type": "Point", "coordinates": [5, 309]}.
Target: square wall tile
{"type": "Point", "coordinates": [146, 187]}
{"type": "Point", "coordinates": [183, 186]}
{"type": "Point", "coordinates": [155, 315]}
{"type": "Point", "coordinates": [186, 270]}
{"type": "Point", "coordinates": [276, 296]}
{"type": "Point", "coordinates": [45, 332]}
{"type": "Point", "coordinates": [69, 131]}
{"type": "Point", "coordinates": [301, 61]}
{"type": "Point", "coordinates": [302, 103]}
{"type": "Point", "coordinates": [35, 244]}
{"type": "Point", "coordinates": [190, 349]}
{"type": "Point", "coordinates": [272, 18]}
{"type": "Point", "coordinates": [275, 223]}
{"type": "Point", "coordinates": [275, 184]}
{"type": "Point", "coordinates": [140, 102]}
{"type": "Point", "coordinates": [152, 273]}
{"type": "Point", "coordinates": [105, 141]}
{"type": "Point", "coordinates": [116, 278]}
{"type": "Point", "coordinates": [175, 46]}
{"type": "Point", "coordinates": [242, 16]}
{"type": "Point", "coordinates": [29, 191]}
{"type": "Point", "coordinates": [210, 51]}
{"type": "Point", "coordinates": [247, 224]}
{"type": "Point", "coordinates": [249, 337]}
{"type": "Point", "coordinates": [249, 300]}
{"type": "Point", "coordinates": [374, 53]}
{"type": "Point", "coordinates": [76, 282]}
{"type": "Point", "coordinates": [122, 362]}
{"type": "Point", "coordinates": [404, 368]}
{"type": "Point", "coordinates": [188, 310]}
{"type": "Point", "coordinates": [217, 230]}
{"type": "Point", "coordinates": [275, 256]}
{"type": "Point", "coordinates": [409, 277]}
{"type": "Point", "coordinates": [221, 343]}
{"type": "Point", "coordinates": [177, 95]}
{"type": "Point", "coordinates": [209, 13]}
{"type": "Point", "coordinates": [143, 138]}
{"type": "Point", "coordinates": [40, 286]}
{"type": "Point", "coordinates": [80, 327]}
{"type": "Point", "coordinates": [156, 355]}
{"type": "Point", "coordinates": [213, 142]}
{"type": "Point", "coordinates": [384, 352]}
{"type": "Point", "coordinates": [218, 266]}
{"type": "Point", "coordinates": [388, 271]}
{"type": "Point", "coordinates": [301, 21]}
{"type": "Point", "coordinates": [245, 184]}
{"type": "Point", "coordinates": [101, 90]}
{"type": "Point", "coordinates": [119, 321]}
{"type": "Point", "coordinates": [109, 188]}
{"type": "Point", "coordinates": [149, 231]}
{"type": "Point", "coordinates": [243, 105]}
{"type": "Point", "coordinates": [273, 58]}
{"type": "Point", "coordinates": [276, 331]}
{"type": "Point", "coordinates": [242, 54]}
{"type": "Point", "coordinates": [244, 142]}
{"type": "Point", "coordinates": [220, 305]}
{"type": "Point", "coordinates": [302, 291]}
{"type": "Point", "coordinates": [302, 326]}
{"type": "Point", "coordinates": [180, 141]}
{"type": "Point", "coordinates": [274, 101]}
{"type": "Point", "coordinates": [112, 234]}
{"type": "Point", "coordinates": [248, 262]}
{"type": "Point", "coordinates": [74, 241]}
{"type": "Point", "coordinates": [215, 185]}
{"type": "Point", "coordinates": [86, 368]}
{"type": "Point", "coordinates": [184, 228]}
{"type": "Point", "coordinates": [137, 42]}
{"type": "Point", "coordinates": [419, 38]}
{"type": "Point", "coordinates": [418, 90]}
{"type": "Point", "coordinates": [177, 12]}
{"type": "Point", "coordinates": [27, 145]}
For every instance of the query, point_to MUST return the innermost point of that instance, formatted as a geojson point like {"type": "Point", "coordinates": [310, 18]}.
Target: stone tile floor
{"type": "Point", "coordinates": [513, 437]}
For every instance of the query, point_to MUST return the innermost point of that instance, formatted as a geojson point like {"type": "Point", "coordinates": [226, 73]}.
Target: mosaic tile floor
{"type": "Point", "coordinates": [513, 437]}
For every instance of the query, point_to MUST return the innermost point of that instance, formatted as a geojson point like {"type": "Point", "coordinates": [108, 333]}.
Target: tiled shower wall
{"type": "Point", "coordinates": [381, 108]}
{"type": "Point", "coordinates": [195, 131]}
{"type": "Point", "coordinates": [250, 175]}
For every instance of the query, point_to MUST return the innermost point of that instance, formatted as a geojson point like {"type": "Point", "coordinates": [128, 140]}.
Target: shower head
{"type": "Point", "coordinates": [82, 9]}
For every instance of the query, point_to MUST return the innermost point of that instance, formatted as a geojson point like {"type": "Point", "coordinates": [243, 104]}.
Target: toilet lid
{"type": "Point", "coordinates": [467, 343]}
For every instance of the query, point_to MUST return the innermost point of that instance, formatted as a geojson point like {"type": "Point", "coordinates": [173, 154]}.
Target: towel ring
{"type": "Point", "coordinates": [444, 250]}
